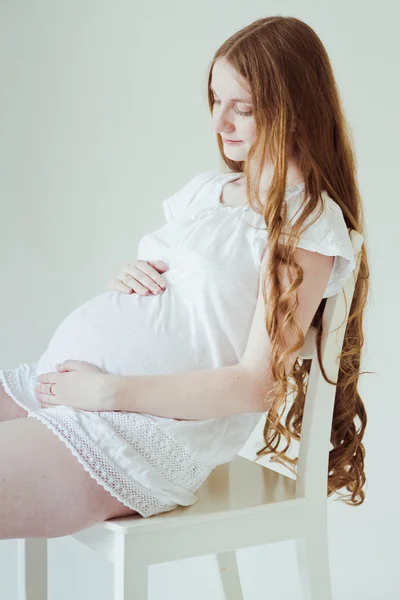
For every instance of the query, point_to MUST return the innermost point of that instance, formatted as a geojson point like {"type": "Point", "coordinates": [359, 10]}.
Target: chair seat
{"type": "Point", "coordinates": [234, 486]}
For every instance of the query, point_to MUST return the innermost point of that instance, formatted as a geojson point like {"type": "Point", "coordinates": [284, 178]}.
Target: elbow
{"type": "Point", "coordinates": [255, 388]}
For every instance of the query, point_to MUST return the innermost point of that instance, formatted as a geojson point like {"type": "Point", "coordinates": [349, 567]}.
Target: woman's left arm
{"type": "Point", "coordinates": [193, 395]}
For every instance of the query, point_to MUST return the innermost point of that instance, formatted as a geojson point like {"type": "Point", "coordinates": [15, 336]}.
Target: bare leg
{"type": "Point", "coordinates": [9, 409]}
{"type": "Point", "coordinates": [44, 491]}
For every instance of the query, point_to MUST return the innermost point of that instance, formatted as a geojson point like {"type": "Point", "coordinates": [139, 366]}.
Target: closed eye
{"type": "Point", "coordinates": [237, 111]}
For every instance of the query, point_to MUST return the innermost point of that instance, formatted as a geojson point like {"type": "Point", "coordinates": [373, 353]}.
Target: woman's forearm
{"type": "Point", "coordinates": [192, 395]}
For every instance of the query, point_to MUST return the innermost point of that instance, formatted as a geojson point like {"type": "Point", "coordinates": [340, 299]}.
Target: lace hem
{"type": "Point", "coordinates": [160, 450]}
{"type": "Point", "coordinates": [151, 444]}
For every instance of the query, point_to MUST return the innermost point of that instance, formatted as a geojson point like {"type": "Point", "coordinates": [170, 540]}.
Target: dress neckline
{"type": "Point", "coordinates": [227, 177]}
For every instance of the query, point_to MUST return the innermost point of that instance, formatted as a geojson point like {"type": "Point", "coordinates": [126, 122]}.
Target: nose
{"type": "Point", "coordinates": [221, 123]}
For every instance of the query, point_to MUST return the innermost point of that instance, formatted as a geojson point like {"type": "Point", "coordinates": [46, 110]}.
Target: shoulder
{"type": "Point", "coordinates": [325, 232]}
{"type": "Point", "coordinates": [176, 204]}
{"type": "Point", "coordinates": [193, 184]}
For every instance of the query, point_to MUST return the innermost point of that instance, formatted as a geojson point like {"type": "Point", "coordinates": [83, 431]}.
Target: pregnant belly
{"type": "Point", "coordinates": [131, 335]}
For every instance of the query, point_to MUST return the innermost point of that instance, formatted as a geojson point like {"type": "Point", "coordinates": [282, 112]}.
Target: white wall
{"type": "Point", "coordinates": [103, 114]}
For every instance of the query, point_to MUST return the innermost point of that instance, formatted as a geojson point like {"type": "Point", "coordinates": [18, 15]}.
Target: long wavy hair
{"type": "Point", "coordinates": [297, 108]}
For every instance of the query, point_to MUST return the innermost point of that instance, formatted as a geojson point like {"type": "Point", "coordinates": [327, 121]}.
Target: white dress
{"type": "Point", "coordinates": [201, 321]}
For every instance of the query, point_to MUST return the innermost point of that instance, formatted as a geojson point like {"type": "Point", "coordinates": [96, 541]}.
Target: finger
{"type": "Point", "coordinates": [135, 284]}
{"type": "Point", "coordinates": [150, 268]}
{"type": "Point", "coordinates": [73, 365]}
{"type": "Point", "coordinates": [160, 265]}
{"type": "Point", "coordinates": [150, 278]}
{"type": "Point", "coordinates": [46, 400]}
{"type": "Point", "coordinates": [46, 378]}
{"type": "Point", "coordinates": [118, 286]}
{"type": "Point", "coordinates": [44, 389]}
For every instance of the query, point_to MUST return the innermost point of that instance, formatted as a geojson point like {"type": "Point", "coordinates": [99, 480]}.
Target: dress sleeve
{"type": "Point", "coordinates": [175, 205]}
{"type": "Point", "coordinates": [327, 235]}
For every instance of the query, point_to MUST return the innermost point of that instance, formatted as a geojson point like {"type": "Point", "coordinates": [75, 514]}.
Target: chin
{"type": "Point", "coordinates": [238, 153]}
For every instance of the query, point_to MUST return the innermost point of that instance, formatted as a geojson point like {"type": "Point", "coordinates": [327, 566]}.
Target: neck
{"type": "Point", "coordinates": [293, 177]}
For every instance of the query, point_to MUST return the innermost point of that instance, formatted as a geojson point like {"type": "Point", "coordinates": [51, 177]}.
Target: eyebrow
{"type": "Point", "coordinates": [233, 99]}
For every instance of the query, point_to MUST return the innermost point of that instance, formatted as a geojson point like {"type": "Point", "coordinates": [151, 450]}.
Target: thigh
{"type": "Point", "coordinates": [44, 490]}
{"type": "Point", "coordinates": [9, 409]}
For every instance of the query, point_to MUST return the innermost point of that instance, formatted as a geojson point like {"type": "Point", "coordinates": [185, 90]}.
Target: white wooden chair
{"type": "Point", "coordinates": [241, 504]}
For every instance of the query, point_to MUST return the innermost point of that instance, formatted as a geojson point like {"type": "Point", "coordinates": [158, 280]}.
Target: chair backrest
{"type": "Point", "coordinates": [314, 446]}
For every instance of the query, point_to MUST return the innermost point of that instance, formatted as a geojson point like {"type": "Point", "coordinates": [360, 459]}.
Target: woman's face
{"type": "Point", "coordinates": [232, 99]}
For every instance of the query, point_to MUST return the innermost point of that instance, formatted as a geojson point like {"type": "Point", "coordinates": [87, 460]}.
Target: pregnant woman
{"type": "Point", "coordinates": [139, 396]}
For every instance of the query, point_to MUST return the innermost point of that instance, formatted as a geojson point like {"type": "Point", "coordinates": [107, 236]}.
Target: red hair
{"type": "Point", "coordinates": [296, 105]}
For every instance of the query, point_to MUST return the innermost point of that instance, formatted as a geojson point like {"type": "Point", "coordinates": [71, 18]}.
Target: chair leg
{"type": "Point", "coordinates": [32, 568]}
{"type": "Point", "coordinates": [229, 574]}
{"type": "Point", "coordinates": [313, 562]}
{"type": "Point", "coordinates": [130, 570]}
